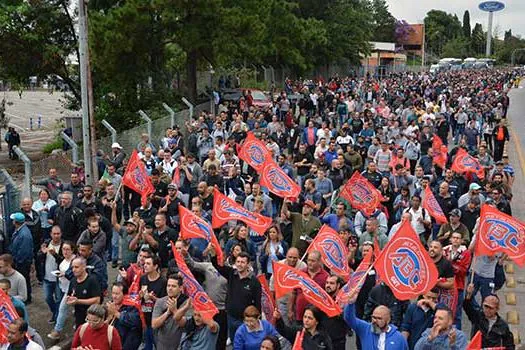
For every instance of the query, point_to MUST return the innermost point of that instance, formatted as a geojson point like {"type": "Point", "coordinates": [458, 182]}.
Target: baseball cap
{"type": "Point", "coordinates": [455, 212]}
{"type": "Point", "coordinates": [130, 222]}
{"type": "Point", "coordinates": [116, 145]}
{"type": "Point", "coordinates": [474, 186]}
{"type": "Point", "coordinates": [172, 187]}
{"type": "Point", "coordinates": [17, 217]}
{"type": "Point", "coordinates": [309, 203]}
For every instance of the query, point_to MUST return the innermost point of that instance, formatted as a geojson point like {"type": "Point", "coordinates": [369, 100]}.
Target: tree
{"type": "Point", "coordinates": [466, 24]}
{"type": "Point", "coordinates": [477, 41]}
{"type": "Point", "coordinates": [383, 21]}
{"type": "Point", "coordinates": [440, 27]}
{"type": "Point", "coordinates": [457, 47]}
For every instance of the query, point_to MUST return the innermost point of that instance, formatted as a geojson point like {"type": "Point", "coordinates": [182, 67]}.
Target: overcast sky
{"type": "Point", "coordinates": [414, 11]}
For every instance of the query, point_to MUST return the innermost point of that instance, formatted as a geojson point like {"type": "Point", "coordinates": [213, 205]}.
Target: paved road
{"type": "Point", "coordinates": [31, 105]}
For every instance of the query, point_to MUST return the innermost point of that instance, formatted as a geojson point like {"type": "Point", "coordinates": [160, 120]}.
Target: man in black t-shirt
{"type": "Point", "coordinates": [163, 235]}
{"type": "Point", "coordinates": [84, 290]}
{"type": "Point", "coordinates": [445, 285]}
{"type": "Point", "coordinates": [152, 287]}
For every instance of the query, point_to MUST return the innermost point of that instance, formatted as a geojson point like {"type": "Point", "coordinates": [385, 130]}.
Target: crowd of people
{"type": "Point", "coordinates": [384, 129]}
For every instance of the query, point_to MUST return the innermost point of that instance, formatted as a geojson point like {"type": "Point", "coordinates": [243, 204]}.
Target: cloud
{"type": "Point", "coordinates": [510, 18]}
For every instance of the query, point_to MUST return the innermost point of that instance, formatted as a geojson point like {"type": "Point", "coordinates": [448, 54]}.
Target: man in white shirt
{"type": "Point", "coordinates": [420, 217]}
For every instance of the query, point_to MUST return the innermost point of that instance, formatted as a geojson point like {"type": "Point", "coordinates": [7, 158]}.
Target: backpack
{"type": "Point", "coordinates": [110, 333]}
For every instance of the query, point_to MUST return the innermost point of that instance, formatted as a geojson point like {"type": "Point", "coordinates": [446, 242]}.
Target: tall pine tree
{"type": "Point", "coordinates": [466, 24]}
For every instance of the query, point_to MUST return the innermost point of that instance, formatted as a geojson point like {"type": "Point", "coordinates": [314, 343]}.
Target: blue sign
{"type": "Point", "coordinates": [491, 6]}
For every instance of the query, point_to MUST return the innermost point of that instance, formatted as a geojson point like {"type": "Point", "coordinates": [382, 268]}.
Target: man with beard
{"type": "Point", "coordinates": [170, 206]}
{"type": "Point", "coordinates": [335, 326]}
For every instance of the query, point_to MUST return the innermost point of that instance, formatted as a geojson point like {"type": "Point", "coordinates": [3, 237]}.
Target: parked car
{"type": "Point", "coordinates": [259, 97]}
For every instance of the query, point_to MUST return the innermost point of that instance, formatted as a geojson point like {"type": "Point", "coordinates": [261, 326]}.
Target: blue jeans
{"type": "Point", "coordinates": [51, 295]}
{"type": "Point", "coordinates": [482, 285]}
{"type": "Point", "coordinates": [233, 324]}
{"type": "Point", "coordinates": [115, 242]}
{"type": "Point", "coordinates": [63, 310]}
{"type": "Point", "coordinates": [149, 342]}
{"type": "Point", "coordinates": [459, 306]}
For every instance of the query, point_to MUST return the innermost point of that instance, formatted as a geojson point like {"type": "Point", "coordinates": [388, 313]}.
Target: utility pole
{"type": "Point", "coordinates": [85, 88]}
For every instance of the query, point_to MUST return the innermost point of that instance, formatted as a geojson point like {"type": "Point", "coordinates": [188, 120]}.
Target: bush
{"type": "Point", "coordinates": [50, 147]}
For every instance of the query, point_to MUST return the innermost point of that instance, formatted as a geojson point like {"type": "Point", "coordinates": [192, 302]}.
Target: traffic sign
{"type": "Point", "coordinates": [491, 6]}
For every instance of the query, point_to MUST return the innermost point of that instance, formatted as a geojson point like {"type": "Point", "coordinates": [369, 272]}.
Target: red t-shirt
{"type": "Point", "coordinates": [301, 302]}
{"type": "Point", "coordinates": [97, 338]}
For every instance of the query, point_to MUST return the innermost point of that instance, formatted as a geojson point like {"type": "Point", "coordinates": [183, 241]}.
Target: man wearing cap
{"type": "Point", "coordinates": [169, 205]}
{"type": "Point", "coordinates": [304, 226]}
{"type": "Point", "coordinates": [21, 249]}
{"type": "Point", "coordinates": [454, 225]}
{"type": "Point", "coordinates": [117, 155]}
{"type": "Point", "coordinates": [474, 190]}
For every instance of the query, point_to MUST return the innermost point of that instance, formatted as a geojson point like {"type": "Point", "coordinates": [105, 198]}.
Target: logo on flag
{"type": "Point", "coordinates": [356, 281]}
{"type": "Point", "coordinates": [254, 152]}
{"type": "Point", "coordinates": [267, 302]}
{"type": "Point", "coordinates": [361, 194]}
{"type": "Point", "coordinates": [464, 162]}
{"type": "Point", "coordinates": [499, 232]}
{"type": "Point", "coordinates": [333, 251]}
{"type": "Point", "coordinates": [201, 301]}
{"type": "Point", "coordinates": [276, 180]}
{"type": "Point", "coordinates": [226, 209]}
{"type": "Point", "coordinates": [136, 177]}
{"type": "Point", "coordinates": [431, 204]}
{"type": "Point", "coordinates": [192, 226]}
{"type": "Point", "coordinates": [7, 315]}
{"type": "Point", "coordinates": [287, 278]}
{"type": "Point", "coordinates": [405, 266]}
{"type": "Point", "coordinates": [440, 152]}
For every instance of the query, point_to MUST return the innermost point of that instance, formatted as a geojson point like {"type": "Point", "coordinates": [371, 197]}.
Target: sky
{"type": "Point", "coordinates": [512, 17]}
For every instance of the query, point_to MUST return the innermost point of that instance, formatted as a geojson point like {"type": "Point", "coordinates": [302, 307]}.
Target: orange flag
{"type": "Point", "coordinates": [475, 343]}
{"type": "Point", "coordinates": [431, 204]}
{"type": "Point", "coordinates": [361, 194]}
{"type": "Point", "coordinates": [298, 343]}
{"type": "Point", "coordinates": [7, 315]}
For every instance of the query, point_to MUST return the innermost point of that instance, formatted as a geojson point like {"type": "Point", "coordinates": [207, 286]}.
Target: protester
{"type": "Point", "coordinates": [16, 335]}
{"type": "Point", "coordinates": [95, 333]}
{"type": "Point", "coordinates": [442, 335]}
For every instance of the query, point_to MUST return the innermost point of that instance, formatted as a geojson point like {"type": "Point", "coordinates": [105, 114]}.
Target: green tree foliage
{"type": "Point", "coordinates": [383, 21]}
{"type": "Point", "coordinates": [440, 27]}
{"type": "Point", "coordinates": [457, 47]}
{"type": "Point", "coordinates": [466, 24]}
{"type": "Point", "coordinates": [477, 40]}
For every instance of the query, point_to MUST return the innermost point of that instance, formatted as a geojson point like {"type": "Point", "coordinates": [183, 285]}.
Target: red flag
{"type": "Point", "coordinates": [361, 194]}
{"type": "Point", "coordinates": [226, 209]}
{"type": "Point", "coordinates": [298, 343]}
{"type": "Point", "coordinates": [136, 177]}
{"type": "Point", "coordinates": [334, 253]}
{"type": "Point", "coordinates": [499, 232]}
{"type": "Point", "coordinates": [405, 266]}
{"type": "Point", "coordinates": [7, 315]}
{"type": "Point", "coordinates": [355, 283]}
{"type": "Point", "coordinates": [377, 248]}
{"type": "Point", "coordinates": [192, 226]}
{"type": "Point", "coordinates": [465, 163]}
{"type": "Point", "coordinates": [278, 182]}
{"type": "Point", "coordinates": [130, 300]}
{"type": "Point", "coordinates": [200, 300]}
{"type": "Point", "coordinates": [475, 342]}
{"type": "Point", "coordinates": [176, 177]}
{"type": "Point", "coordinates": [134, 288]}
{"type": "Point", "coordinates": [254, 152]}
{"type": "Point", "coordinates": [267, 302]}
{"type": "Point", "coordinates": [448, 297]}
{"type": "Point", "coordinates": [440, 152]}
{"type": "Point", "coordinates": [432, 206]}
{"type": "Point", "coordinates": [287, 278]}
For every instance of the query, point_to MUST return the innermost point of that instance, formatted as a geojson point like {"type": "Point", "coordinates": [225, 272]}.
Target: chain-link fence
{"type": "Point", "coordinates": [9, 203]}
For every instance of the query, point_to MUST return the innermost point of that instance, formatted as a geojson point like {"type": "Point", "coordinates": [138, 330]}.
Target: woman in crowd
{"type": "Point", "coordinates": [252, 332]}
{"type": "Point", "coordinates": [274, 249]}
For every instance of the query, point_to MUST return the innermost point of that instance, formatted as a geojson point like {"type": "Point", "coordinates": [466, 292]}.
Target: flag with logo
{"type": "Point", "coordinates": [192, 226]}
{"type": "Point", "coordinates": [278, 182]}
{"type": "Point", "coordinates": [298, 343]}
{"type": "Point", "coordinates": [439, 152]}
{"type": "Point", "coordinates": [254, 152]}
{"type": "Point", "coordinates": [361, 194]}
{"type": "Point", "coordinates": [176, 177]}
{"type": "Point", "coordinates": [334, 253]}
{"type": "Point", "coordinates": [7, 315]}
{"type": "Point", "coordinates": [465, 163]}
{"type": "Point", "coordinates": [500, 233]}
{"type": "Point", "coordinates": [200, 300]}
{"type": "Point", "coordinates": [267, 302]}
{"type": "Point", "coordinates": [226, 209]}
{"type": "Point", "coordinates": [287, 278]}
{"type": "Point", "coordinates": [136, 177]}
{"type": "Point", "coordinates": [356, 281]}
{"type": "Point", "coordinates": [405, 266]}
{"type": "Point", "coordinates": [432, 206]}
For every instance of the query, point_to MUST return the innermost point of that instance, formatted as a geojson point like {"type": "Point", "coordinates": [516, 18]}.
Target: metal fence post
{"type": "Point", "coordinates": [111, 130]}
{"type": "Point", "coordinates": [74, 146]}
{"type": "Point", "coordinates": [171, 112]}
{"type": "Point", "coordinates": [27, 170]}
{"type": "Point", "coordinates": [190, 106]}
{"type": "Point", "coordinates": [147, 119]}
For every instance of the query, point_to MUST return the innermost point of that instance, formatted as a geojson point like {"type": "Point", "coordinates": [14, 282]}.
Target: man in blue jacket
{"type": "Point", "coordinates": [443, 335]}
{"type": "Point", "coordinates": [378, 334]}
{"type": "Point", "coordinates": [22, 249]}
